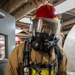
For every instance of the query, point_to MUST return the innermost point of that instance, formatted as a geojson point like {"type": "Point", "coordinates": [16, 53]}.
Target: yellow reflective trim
{"type": "Point", "coordinates": [34, 16]}
{"type": "Point", "coordinates": [56, 19]}
{"type": "Point", "coordinates": [52, 72]}
{"type": "Point", "coordinates": [44, 72]}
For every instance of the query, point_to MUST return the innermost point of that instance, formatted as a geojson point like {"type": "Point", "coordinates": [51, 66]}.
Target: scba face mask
{"type": "Point", "coordinates": [43, 33]}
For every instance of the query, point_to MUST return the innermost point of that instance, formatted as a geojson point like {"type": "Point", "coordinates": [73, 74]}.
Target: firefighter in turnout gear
{"type": "Point", "coordinates": [40, 54]}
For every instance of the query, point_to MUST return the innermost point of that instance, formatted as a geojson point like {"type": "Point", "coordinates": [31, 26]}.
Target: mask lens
{"type": "Point", "coordinates": [42, 26]}
{"type": "Point", "coordinates": [46, 28]}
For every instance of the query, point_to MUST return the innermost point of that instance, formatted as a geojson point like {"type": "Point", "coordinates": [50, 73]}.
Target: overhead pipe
{"type": "Point", "coordinates": [11, 5]}
{"type": "Point", "coordinates": [2, 2]}
{"type": "Point", "coordinates": [27, 8]}
{"type": "Point", "coordinates": [66, 23]}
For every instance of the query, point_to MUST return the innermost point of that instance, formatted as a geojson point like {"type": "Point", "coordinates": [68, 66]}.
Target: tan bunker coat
{"type": "Point", "coordinates": [16, 58]}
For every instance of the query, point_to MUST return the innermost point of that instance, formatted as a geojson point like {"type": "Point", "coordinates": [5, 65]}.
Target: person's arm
{"type": "Point", "coordinates": [63, 64]}
{"type": "Point", "coordinates": [12, 63]}
{"type": "Point", "coordinates": [14, 60]}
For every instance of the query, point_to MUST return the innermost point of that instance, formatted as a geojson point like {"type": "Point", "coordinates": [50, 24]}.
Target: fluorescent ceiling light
{"type": "Point", "coordinates": [18, 31]}
{"type": "Point", "coordinates": [2, 15]}
{"type": "Point", "coordinates": [25, 20]}
{"type": "Point", "coordinates": [65, 6]}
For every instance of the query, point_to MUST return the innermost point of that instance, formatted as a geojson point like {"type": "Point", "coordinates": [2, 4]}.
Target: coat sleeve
{"type": "Point", "coordinates": [62, 69]}
{"type": "Point", "coordinates": [13, 63]}
{"type": "Point", "coordinates": [14, 60]}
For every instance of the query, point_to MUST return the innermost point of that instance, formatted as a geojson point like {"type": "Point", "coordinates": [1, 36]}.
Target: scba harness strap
{"type": "Point", "coordinates": [26, 68]}
{"type": "Point", "coordinates": [57, 49]}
